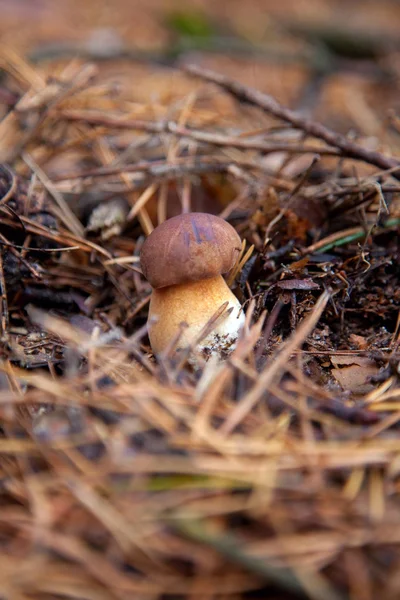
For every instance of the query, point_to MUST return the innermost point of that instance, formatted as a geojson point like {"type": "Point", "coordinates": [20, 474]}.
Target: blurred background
{"type": "Point", "coordinates": [324, 57]}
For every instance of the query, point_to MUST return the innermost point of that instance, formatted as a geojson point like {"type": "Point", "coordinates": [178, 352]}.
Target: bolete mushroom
{"type": "Point", "coordinates": [184, 259]}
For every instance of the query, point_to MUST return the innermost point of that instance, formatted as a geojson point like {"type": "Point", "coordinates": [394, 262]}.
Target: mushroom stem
{"type": "Point", "coordinates": [195, 303]}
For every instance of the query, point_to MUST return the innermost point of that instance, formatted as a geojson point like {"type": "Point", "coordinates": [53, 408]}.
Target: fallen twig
{"type": "Point", "coordinates": [268, 104]}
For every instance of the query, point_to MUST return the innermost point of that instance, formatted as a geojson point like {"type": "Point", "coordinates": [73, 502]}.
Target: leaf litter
{"type": "Point", "coordinates": [126, 476]}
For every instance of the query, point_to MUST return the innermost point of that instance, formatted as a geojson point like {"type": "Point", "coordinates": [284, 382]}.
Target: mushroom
{"type": "Point", "coordinates": [184, 259]}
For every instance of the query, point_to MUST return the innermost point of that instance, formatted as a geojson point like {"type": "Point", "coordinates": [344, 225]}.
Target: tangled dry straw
{"type": "Point", "coordinates": [125, 477]}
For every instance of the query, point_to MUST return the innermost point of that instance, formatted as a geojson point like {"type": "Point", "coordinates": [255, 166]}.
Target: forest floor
{"type": "Point", "coordinates": [274, 473]}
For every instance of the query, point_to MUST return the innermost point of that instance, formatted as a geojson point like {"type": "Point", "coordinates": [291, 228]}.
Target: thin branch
{"type": "Point", "coordinates": [159, 169]}
{"type": "Point", "coordinates": [268, 104]}
{"type": "Point", "coordinates": [205, 137]}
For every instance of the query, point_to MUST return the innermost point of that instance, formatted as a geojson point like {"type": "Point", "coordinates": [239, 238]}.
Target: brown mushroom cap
{"type": "Point", "coordinates": [189, 247]}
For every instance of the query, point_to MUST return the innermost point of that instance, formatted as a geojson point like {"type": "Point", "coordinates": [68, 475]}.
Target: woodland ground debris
{"type": "Point", "coordinates": [276, 472]}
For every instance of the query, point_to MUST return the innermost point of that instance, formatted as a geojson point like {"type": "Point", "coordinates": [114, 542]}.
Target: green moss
{"type": "Point", "coordinates": [190, 24]}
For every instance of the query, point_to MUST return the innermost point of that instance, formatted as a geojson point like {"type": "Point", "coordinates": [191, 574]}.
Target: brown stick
{"type": "Point", "coordinates": [160, 169]}
{"type": "Point", "coordinates": [205, 137]}
{"type": "Point", "coordinates": [270, 105]}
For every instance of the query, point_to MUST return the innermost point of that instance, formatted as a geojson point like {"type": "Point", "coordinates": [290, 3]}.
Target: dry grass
{"type": "Point", "coordinates": [273, 474]}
